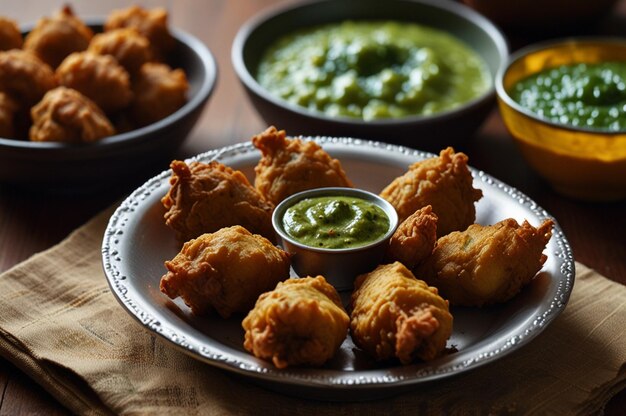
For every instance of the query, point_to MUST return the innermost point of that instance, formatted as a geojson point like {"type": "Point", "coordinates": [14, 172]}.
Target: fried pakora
{"type": "Point", "coordinates": [414, 239]}
{"type": "Point", "coordinates": [99, 77]}
{"type": "Point", "coordinates": [10, 35]}
{"type": "Point", "coordinates": [225, 271]}
{"type": "Point", "coordinates": [159, 91]}
{"type": "Point", "coordinates": [205, 197]}
{"type": "Point", "coordinates": [126, 45]}
{"type": "Point", "coordinates": [301, 322]}
{"type": "Point", "coordinates": [8, 108]}
{"type": "Point", "coordinates": [288, 166]}
{"type": "Point", "coordinates": [151, 23]}
{"type": "Point", "coordinates": [486, 264]}
{"type": "Point", "coordinates": [65, 115]}
{"type": "Point", "coordinates": [395, 315]}
{"type": "Point", "coordinates": [444, 182]}
{"type": "Point", "coordinates": [24, 77]}
{"type": "Point", "coordinates": [57, 36]}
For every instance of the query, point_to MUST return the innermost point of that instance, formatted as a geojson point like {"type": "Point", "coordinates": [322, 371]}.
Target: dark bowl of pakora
{"type": "Point", "coordinates": [113, 99]}
{"type": "Point", "coordinates": [418, 73]}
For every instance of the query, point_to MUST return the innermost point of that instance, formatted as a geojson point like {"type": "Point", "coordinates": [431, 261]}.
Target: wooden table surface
{"type": "Point", "coordinates": [31, 222]}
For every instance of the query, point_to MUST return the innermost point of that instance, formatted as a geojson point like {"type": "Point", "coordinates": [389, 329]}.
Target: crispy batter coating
{"type": "Point", "coordinates": [159, 91]}
{"type": "Point", "coordinates": [288, 166]}
{"type": "Point", "coordinates": [444, 182]}
{"type": "Point", "coordinates": [25, 77]}
{"type": "Point", "coordinates": [10, 35]}
{"type": "Point", "coordinates": [57, 36]}
{"type": "Point", "coordinates": [99, 77]}
{"type": "Point", "coordinates": [151, 23]}
{"type": "Point", "coordinates": [301, 322]}
{"type": "Point", "coordinates": [226, 271]}
{"type": "Point", "coordinates": [65, 115]}
{"type": "Point", "coordinates": [8, 108]}
{"type": "Point", "coordinates": [396, 315]}
{"type": "Point", "coordinates": [414, 238]}
{"type": "Point", "coordinates": [486, 264]}
{"type": "Point", "coordinates": [126, 45]}
{"type": "Point", "coordinates": [205, 197]}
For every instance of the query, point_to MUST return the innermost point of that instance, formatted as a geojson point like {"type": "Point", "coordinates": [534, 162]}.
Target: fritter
{"type": "Point", "coordinates": [486, 264]}
{"type": "Point", "coordinates": [65, 115]}
{"type": "Point", "coordinates": [288, 166]}
{"type": "Point", "coordinates": [159, 91]}
{"type": "Point", "coordinates": [395, 315]}
{"type": "Point", "coordinates": [151, 23]}
{"type": "Point", "coordinates": [445, 183]}
{"type": "Point", "coordinates": [126, 45]}
{"type": "Point", "coordinates": [10, 35]}
{"type": "Point", "coordinates": [301, 322]}
{"type": "Point", "coordinates": [99, 77]}
{"type": "Point", "coordinates": [414, 239]}
{"type": "Point", "coordinates": [225, 271]}
{"type": "Point", "coordinates": [205, 197]}
{"type": "Point", "coordinates": [24, 77]}
{"type": "Point", "coordinates": [57, 36]}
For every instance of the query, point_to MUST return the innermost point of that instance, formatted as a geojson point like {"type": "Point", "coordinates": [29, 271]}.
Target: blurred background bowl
{"type": "Point", "coordinates": [548, 16]}
{"type": "Point", "coordinates": [66, 166]}
{"type": "Point", "coordinates": [339, 266]}
{"type": "Point", "coordinates": [424, 132]}
{"type": "Point", "coordinates": [578, 162]}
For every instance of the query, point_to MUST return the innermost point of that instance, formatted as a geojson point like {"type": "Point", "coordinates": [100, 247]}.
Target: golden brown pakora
{"type": "Point", "coordinates": [10, 35]}
{"type": "Point", "coordinates": [288, 166]}
{"type": "Point", "coordinates": [205, 197]}
{"type": "Point", "coordinates": [99, 77]}
{"type": "Point", "coordinates": [414, 239]}
{"type": "Point", "coordinates": [486, 264]}
{"type": "Point", "coordinates": [159, 91]}
{"type": "Point", "coordinates": [57, 36]}
{"type": "Point", "coordinates": [225, 271]}
{"type": "Point", "coordinates": [8, 108]}
{"type": "Point", "coordinates": [301, 322]}
{"type": "Point", "coordinates": [395, 315]}
{"type": "Point", "coordinates": [24, 77]}
{"type": "Point", "coordinates": [126, 45]}
{"type": "Point", "coordinates": [65, 115]}
{"type": "Point", "coordinates": [151, 23]}
{"type": "Point", "coordinates": [444, 182]}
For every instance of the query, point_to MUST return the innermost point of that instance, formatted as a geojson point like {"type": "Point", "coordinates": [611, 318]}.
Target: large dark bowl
{"type": "Point", "coordinates": [424, 132]}
{"type": "Point", "coordinates": [53, 165]}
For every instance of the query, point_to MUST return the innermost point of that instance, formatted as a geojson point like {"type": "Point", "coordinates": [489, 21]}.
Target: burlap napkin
{"type": "Point", "coordinates": [60, 324]}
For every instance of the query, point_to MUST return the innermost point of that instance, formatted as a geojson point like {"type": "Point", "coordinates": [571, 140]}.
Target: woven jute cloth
{"type": "Point", "coordinates": [60, 324]}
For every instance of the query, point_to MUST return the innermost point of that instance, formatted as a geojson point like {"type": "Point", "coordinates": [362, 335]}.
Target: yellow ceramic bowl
{"type": "Point", "coordinates": [578, 162]}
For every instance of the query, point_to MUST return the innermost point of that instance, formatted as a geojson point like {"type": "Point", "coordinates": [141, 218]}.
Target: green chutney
{"type": "Point", "coordinates": [373, 70]}
{"type": "Point", "coordinates": [335, 222]}
{"type": "Point", "coordinates": [581, 95]}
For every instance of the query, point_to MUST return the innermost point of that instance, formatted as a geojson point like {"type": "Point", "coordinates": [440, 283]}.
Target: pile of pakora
{"type": "Point", "coordinates": [398, 312]}
{"type": "Point", "coordinates": [64, 83]}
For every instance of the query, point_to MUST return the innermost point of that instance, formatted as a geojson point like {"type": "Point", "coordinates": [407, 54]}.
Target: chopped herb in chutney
{"type": "Point", "coordinates": [582, 95]}
{"type": "Point", "coordinates": [335, 222]}
{"type": "Point", "coordinates": [373, 70]}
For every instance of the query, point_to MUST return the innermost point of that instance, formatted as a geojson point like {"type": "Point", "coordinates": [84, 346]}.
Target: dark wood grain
{"type": "Point", "coordinates": [32, 221]}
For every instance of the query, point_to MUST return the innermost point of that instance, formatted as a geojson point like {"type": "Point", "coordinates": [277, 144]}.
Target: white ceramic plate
{"type": "Point", "coordinates": [136, 243]}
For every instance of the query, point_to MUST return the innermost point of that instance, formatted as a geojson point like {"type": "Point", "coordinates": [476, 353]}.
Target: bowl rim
{"type": "Point", "coordinates": [504, 96]}
{"type": "Point", "coordinates": [458, 9]}
{"type": "Point", "coordinates": [204, 91]}
{"type": "Point", "coordinates": [382, 203]}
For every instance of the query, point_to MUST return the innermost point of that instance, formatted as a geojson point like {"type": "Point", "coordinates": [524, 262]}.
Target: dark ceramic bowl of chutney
{"type": "Point", "coordinates": [428, 132]}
